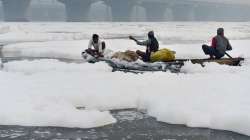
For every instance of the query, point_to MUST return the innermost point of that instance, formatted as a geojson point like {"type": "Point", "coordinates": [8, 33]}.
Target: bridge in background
{"type": "Point", "coordinates": [156, 10]}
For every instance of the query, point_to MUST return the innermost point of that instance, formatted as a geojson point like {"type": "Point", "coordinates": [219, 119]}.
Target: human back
{"type": "Point", "coordinates": [222, 44]}
{"type": "Point", "coordinates": [153, 45]}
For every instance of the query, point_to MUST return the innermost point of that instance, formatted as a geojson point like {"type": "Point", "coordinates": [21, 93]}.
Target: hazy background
{"type": "Point", "coordinates": [229, 10]}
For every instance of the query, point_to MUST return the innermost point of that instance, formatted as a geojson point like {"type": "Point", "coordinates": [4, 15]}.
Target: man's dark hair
{"type": "Point", "coordinates": [151, 34]}
{"type": "Point", "coordinates": [220, 31]}
{"type": "Point", "coordinates": [95, 36]}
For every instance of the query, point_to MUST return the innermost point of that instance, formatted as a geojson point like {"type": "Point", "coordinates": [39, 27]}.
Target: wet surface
{"type": "Point", "coordinates": [132, 125]}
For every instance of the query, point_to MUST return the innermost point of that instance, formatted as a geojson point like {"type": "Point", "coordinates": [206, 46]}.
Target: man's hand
{"type": "Point", "coordinates": [229, 48]}
{"type": "Point", "coordinates": [132, 38]}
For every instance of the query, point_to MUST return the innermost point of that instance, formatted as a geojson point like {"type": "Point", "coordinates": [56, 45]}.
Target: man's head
{"type": "Point", "coordinates": [95, 38]}
{"type": "Point", "coordinates": [151, 34]}
{"type": "Point", "coordinates": [220, 31]}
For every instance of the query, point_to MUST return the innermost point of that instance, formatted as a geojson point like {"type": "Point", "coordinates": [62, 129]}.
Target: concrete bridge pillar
{"type": "Point", "coordinates": [16, 10]}
{"type": "Point", "coordinates": [206, 13]}
{"type": "Point", "coordinates": [155, 11]}
{"type": "Point", "coordinates": [240, 13]}
{"type": "Point", "coordinates": [223, 13]}
{"type": "Point", "coordinates": [1, 11]}
{"type": "Point", "coordinates": [121, 10]}
{"type": "Point", "coordinates": [77, 10]}
{"type": "Point", "coordinates": [215, 13]}
{"type": "Point", "coordinates": [183, 12]}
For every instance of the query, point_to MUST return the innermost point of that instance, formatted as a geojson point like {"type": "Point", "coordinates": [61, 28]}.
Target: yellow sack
{"type": "Point", "coordinates": [162, 55]}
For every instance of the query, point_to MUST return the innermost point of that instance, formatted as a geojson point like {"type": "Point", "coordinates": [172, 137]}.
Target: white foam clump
{"type": "Point", "coordinates": [31, 100]}
{"type": "Point", "coordinates": [169, 32]}
{"type": "Point", "coordinates": [55, 113]}
{"type": "Point", "coordinates": [199, 98]}
{"type": "Point", "coordinates": [47, 92]}
{"type": "Point", "coordinates": [210, 97]}
{"type": "Point", "coordinates": [64, 40]}
{"type": "Point", "coordinates": [73, 49]}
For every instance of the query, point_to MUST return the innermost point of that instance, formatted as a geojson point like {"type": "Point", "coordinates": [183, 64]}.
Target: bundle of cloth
{"type": "Point", "coordinates": [128, 55]}
{"type": "Point", "coordinates": [161, 55]}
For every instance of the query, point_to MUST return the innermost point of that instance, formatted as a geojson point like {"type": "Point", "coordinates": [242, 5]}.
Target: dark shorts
{"type": "Point", "coordinates": [208, 50]}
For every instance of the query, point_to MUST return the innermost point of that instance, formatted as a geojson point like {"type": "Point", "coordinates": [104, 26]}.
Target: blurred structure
{"type": "Point", "coordinates": [125, 10]}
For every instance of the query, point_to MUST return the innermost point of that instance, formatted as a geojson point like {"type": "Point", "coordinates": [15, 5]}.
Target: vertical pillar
{"type": "Point", "coordinates": [1, 11]}
{"type": "Point", "coordinates": [155, 11]}
{"type": "Point", "coordinates": [121, 10]}
{"type": "Point", "coordinates": [77, 10]}
{"type": "Point", "coordinates": [183, 12]}
{"type": "Point", "coordinates": [16, 10]}
{"type": "Point", "coordinates": [205, 13]}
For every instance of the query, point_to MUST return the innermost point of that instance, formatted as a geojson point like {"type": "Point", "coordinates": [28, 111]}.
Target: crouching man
{"type": "Point", "coordinates": [151, 44]}
{"type": "Point", "coordinates": [96, 47]}
{"type": "Point", "coordinates": [220, 44]}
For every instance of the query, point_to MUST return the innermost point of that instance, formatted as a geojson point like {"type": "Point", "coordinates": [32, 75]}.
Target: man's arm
{"type": "Point", "coordinates": [90, 44]}
{"type": "Point", "coordinates": [132, 38]}
{"type": "Point", "coordinates": [142, 43]}
{"type": "Point", "coordinates": [214, 43]}
{"type": "Point", "coordinates": [100, 50]}
{"type": "Point", "coordinates": [229, 47]}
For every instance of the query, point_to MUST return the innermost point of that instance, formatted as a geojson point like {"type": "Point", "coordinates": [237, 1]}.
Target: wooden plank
{"type": "Point", "coordinates": [225, 61]}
